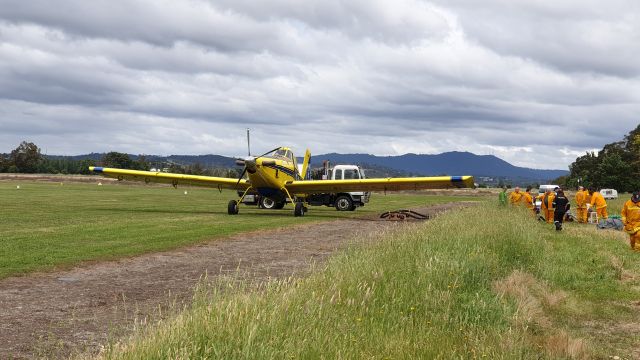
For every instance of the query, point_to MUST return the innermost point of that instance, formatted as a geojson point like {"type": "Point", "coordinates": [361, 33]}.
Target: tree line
{"type": "Point", "coordinates": [616, 166]}
{"type": "Point", "coordinates": [27, 158]}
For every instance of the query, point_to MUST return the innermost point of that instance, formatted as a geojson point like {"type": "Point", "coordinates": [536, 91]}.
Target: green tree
{"type": "Point", "coordinates": [615, 173]}
{"type": "Point", "coordinates": [83, 166]}
{"type": "Point", "coordinates": [4, 163]}
{"type": "Point", "coordinates": [561, 181]}
{"type": "Point", "coordinates": [117, 160]}
{"type": "Point", "coordinates": [196, 169]}
{"type": "Point", "coordinates": [26, 157]}
{"type": "Point", "coordinates": [176, 168]}
{"type": "Point", "coordinates": [141, 163]}
{"type": "Point", "coordinates": [616, 166]}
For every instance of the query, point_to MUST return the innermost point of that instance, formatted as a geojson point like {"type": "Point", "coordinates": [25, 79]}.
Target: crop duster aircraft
{"type": "Point", "coordinates": [275, 175]}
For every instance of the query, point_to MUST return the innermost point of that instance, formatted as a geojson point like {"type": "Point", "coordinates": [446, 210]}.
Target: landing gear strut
{"type": "Point", "coordinates": [234, 206]}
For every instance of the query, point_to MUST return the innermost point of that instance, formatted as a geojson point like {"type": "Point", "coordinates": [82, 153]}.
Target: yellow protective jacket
{"type": "Point", "coordinates": [547, 201]}
{"type": "Point", "coordinates": [527, 200]}
{"type": "Point", "coordinates": [515, 197]}
{"type": "Point", "coordinates": [581, 199]}
{"type": "Point", "coordinates": [587, 197]}
{"type": "Point", "coordinates": [597, 200]}
{"type": "Point", "coordinates": [631, 216]}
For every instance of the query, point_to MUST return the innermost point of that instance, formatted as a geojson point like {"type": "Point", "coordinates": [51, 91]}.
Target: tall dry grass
{"type": "Point", "coordinates": [482, 282]}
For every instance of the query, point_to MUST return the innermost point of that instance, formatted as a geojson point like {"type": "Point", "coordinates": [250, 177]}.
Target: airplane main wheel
{"type": "Point", "coordinates": [267, 203]}
{"type": "Point", "coordinates": [232, 208]}
{"type": "Point", "coordinates": [344, 203]}
{"type": "Point", "coordinates": [299, 210]}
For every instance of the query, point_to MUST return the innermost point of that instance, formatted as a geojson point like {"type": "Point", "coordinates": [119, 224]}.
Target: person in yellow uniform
{"type": "Point", "coordinates": [547, 206]}
{"type": "Point", "coordinates": [631, 220]}
{"type": "Point", "coordinates": [581, 205]}
{"type": "Point", "coordinates": [527, 199]}
{"type": "Point", "coordinates": [599, 204]}
{"type": "Point", "coordinates": [587, 201]}
{"type": "Point", "coordinates": [515, 197]}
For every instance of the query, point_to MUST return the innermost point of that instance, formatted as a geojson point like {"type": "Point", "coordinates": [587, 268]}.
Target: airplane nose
{"type": "Point", "coordinates": [251, 165]}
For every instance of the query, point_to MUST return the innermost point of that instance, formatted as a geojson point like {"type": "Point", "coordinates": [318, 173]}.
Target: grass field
{"type": "Point", "coordinates": [486, 282]}
{"type": "Point", "coordinates": [46, 225]}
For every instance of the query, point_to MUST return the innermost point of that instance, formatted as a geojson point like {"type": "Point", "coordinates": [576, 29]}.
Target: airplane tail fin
{"type": "Point", "coordinates": [305, 164]}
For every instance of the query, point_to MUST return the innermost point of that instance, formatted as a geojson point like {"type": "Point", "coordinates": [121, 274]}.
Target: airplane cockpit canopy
{"type": "Point", "coordinates": [284, 153]}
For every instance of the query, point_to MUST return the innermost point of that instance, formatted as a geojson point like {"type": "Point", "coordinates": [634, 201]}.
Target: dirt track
{"type": "Point", "coordinates": [57, 314]}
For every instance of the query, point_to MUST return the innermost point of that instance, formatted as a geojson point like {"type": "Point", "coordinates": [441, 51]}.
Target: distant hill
{"type": "Point", "coordinates": [207, 161]}
{"type": "Point", "coordinates": [449, 163]}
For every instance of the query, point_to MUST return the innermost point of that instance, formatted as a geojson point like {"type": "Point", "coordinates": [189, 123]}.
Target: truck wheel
{"type": "Point", "coordinates": [267, 203]}
{"type": "Point", "coordinates": [344, 203]}
{"type": "Point", "coordinates": [299, 209]}
{"type": "Point", "coordinates": [232, 208]}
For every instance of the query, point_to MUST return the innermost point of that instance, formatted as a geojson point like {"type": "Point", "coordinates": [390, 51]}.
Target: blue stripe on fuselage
{"type": "Point", "coordinates": [456, 178]}
{"type": "Point", "coordinates": [97, 169]}
{"type": "Point", "coordinates": [285, 170]}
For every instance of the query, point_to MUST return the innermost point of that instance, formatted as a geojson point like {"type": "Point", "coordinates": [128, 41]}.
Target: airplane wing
{"type": "Point", "coordinates": [170, 178]}
{"type": "Point", "coordinates": [385, 184]}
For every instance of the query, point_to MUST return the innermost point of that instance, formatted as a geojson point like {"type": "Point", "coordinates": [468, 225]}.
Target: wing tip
{"type": "Point", "coordinates": [463, 181]}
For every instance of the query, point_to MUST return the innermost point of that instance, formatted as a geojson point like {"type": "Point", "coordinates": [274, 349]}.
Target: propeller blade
{"type": "Point", "coordinates": [241, 176]}
{"type": "Point", "coordinates": [240, 162]}
{"type": "Point", "coordinates": [248, 143]}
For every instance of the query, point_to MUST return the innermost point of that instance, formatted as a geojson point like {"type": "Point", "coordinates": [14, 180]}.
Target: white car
{"type": "Point", "coordinates": [609, 194]}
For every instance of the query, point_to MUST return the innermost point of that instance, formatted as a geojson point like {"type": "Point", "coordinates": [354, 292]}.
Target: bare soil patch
{"type": "Point", "coordinates": [60, 313]}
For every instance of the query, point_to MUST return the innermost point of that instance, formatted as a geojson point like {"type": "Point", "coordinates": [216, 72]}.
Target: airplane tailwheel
{"type": "Point", "coordinates": [232, 208]}
{"type": "Point", "coordinates": [299, 209]}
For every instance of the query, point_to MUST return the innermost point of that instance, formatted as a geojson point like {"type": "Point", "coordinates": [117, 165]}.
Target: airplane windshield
{"type": "Point", "coordinates": [280, 152]}
{"type": "Point", "coordinates": [284, 154]}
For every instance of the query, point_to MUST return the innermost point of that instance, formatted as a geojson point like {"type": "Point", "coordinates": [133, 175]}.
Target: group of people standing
{"type": "Point", "coordinates": [555, 206]}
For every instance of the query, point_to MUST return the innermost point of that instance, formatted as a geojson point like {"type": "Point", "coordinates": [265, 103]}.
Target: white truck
{"type": "Point", "coordinates": [347, 201]}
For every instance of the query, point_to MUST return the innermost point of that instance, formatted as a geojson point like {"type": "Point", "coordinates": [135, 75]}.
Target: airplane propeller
{"type": "Point", "coordinates": [249, 164]}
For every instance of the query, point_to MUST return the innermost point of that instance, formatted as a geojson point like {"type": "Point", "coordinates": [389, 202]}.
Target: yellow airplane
{"type": "Point", "coordinates": [275, 175]}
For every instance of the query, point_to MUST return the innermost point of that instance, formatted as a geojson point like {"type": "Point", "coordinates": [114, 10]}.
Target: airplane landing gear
{"type": "Point", "coordinates": [299, 209]}
{"type": "Point", "coordinates": [232, 208]}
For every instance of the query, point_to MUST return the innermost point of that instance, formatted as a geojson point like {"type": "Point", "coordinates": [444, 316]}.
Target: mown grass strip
{"type": "Point", "coordinates": [478, 283]}
{"type": "Point", "coordinates": [44, 225]}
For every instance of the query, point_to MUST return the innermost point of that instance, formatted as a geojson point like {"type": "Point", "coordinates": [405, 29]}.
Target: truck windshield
{"type": "Point", "coordinates": [350, 174]}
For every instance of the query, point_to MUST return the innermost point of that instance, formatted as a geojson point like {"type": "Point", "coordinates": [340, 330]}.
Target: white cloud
{"type": "Point", "coordinates": [535, 83]}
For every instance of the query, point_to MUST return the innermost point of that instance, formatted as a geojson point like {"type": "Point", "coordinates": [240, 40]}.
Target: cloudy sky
{"type": "Point", "coordinates": [535, 82]}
